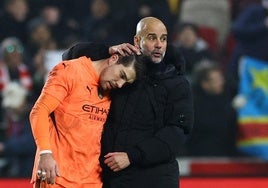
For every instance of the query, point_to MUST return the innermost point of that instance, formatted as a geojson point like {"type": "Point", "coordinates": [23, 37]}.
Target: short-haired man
{"type": "Point", "coordinates": [67, 118]}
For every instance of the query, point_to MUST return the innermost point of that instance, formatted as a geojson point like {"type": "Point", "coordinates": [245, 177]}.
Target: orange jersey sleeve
{"type": "Point", "coordinates": [39, 119]}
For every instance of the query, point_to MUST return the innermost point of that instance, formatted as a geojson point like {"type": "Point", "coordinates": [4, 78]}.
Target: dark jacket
{"type": "Point", "coordinates": [215, 125]}
{"type": "Point", "coordinates": [149, 120]}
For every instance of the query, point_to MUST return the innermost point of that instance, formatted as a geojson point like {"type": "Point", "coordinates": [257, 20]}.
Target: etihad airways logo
{"type": "Point", "coordinates": [96, 113]}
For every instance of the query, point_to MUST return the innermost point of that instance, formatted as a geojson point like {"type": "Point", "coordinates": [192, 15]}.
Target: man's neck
{"type": "Point", "coordinates": [99, 65]}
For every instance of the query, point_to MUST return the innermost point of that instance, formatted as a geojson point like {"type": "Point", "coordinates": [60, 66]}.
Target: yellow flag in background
{"type": "Point", "coordinates": [174, 6]}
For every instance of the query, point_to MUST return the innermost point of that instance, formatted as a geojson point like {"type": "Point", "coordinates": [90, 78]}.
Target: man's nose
{"type": "Point", "coordinates": [120, 83]}
{"type": "Point", "coordinates": [158, 43]}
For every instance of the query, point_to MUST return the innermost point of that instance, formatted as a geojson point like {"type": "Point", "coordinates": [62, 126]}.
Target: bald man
{"type": "Point", "coordinates": [151, 41]}
{"type": "Point", "coordinates": [149, 120]}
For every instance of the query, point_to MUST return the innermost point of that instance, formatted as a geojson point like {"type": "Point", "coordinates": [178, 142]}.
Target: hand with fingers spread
{"type": "Point", "coordinates": [124, 49]}
{"type": "Point", "coordinates": [117, 161]}
{"type": "Point", "coordinates": [47, 168]}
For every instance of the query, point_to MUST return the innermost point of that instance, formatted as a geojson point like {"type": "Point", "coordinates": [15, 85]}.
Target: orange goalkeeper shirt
{"type": "Point", "coordinates": [80, 115]}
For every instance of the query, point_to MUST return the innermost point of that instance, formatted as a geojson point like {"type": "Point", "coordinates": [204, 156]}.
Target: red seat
{"type": "Point", "coordinates": [210, 35]}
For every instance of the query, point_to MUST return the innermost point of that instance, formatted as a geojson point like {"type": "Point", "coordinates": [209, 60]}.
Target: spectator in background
{"type": "Point", "coordinates": [193, 48]}
{"type": "Point", "coordinates": [109, 18]}
{"type": "Point", "coordinates": [51, 13]}
{"type": "Point", "coordinates": [211, 14]}
{"type": "Point", "coordinates": [250, 31]}
{"type": "Point", "coordinates": [214, 132]}
{"type": "Point", "coordinates": [124, 13]}
{"type": "Point", "coordinates": [237, 6]}
{"type": "Point", "coordinates": [99, 24]}
{"type": "Point", "coordinates": [18, 147]}
{"type": "Point", "coordinates": [155, 8]}
{"type": "Point", "coordinates": [174, 8]}
{"type": "Point", "coordinates": [39, 42]}
{"type": "Point", "coordinates": [12, 66]}
{"type": "Point", "coordinates": [13, 20]}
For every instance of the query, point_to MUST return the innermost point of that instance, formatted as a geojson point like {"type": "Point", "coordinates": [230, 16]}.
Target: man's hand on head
{"type": "Point", "coordinates": [124, 49]}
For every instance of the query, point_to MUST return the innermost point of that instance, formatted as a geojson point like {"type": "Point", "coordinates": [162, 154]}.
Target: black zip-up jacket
{"type": "Point", "coordinates": [149, 120]}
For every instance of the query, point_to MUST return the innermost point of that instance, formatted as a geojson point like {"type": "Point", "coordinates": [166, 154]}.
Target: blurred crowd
{"type": "Point", "coordinates": [211, 34]}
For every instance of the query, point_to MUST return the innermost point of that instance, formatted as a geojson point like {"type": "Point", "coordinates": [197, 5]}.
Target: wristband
{"type": "Point", "coordinates": [45, 152]}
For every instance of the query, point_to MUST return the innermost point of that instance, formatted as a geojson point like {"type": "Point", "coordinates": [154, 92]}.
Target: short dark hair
{"type": "Point", "coordinates": [202, 70]}
{"type": "Point", "coordinates": [138, 61]}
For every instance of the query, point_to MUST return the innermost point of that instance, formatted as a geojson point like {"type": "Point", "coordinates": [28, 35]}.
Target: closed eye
{"type": "Point", "coordinates": [123, 75]}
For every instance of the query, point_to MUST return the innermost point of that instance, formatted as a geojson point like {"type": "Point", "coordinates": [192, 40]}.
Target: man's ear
{"type": "Point", "coordinates": [137, 41]}
{"type": "Point", "coordinates": [113, 59]}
